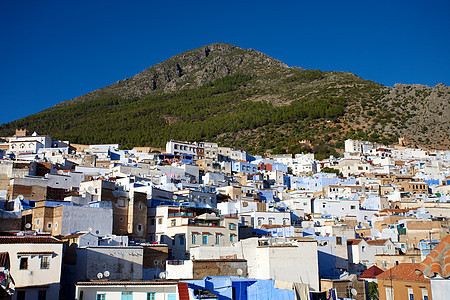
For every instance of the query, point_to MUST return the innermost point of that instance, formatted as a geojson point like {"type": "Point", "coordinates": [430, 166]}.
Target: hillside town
{"type": "Point", "coordinates": [200, 221]}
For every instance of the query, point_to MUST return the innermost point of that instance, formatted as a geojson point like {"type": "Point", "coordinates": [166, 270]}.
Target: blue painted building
{"type": "Point", "coordinates": [317, 181]}
{"type": "Point", "coordinates": [227, 288]}
{"type": "Point", "coordinates": [239, 166]}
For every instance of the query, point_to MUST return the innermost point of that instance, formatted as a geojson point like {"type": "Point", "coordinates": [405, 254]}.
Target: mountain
{"type": "Point", "coordinates": [189, 70]}
{"type": "Point", "coordinates": [248, 100]}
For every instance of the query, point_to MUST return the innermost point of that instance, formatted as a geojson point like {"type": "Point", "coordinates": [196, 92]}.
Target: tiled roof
{"type": "Point", "coordinates": [29, 239]}
{"type": "Point", "coordinates": [404, 271]}
{"type": "Point", "coordinates": [398, 210]}
{"type": "Point", "coordinates": [371, 272]}
{"type": "Point", "coordinates": [353, 241]}
{"type": "Point", "coordinates": [378, 242]}
{"type": "Point", "coordinates": [438, 261]}
{"type": "Point", "coordinates": [74, 235]}
{"type": "Point", "coordinates": [266, 226]}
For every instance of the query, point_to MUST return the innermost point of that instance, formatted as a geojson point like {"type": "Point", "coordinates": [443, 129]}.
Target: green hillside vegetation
{"type": "Point", "coordinates": [204, 114]}
{"type": "Point", "coordinates": [246, 100]}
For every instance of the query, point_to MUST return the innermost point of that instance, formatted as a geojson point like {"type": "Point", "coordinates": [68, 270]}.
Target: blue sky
{"type": "Point", "coordinates": [51, 51]}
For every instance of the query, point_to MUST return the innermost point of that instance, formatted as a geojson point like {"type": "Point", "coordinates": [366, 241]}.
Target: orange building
{"type": "Point", "coordinates": [436, 267]}
{"type": "Point", "coordinates": [402, 282]}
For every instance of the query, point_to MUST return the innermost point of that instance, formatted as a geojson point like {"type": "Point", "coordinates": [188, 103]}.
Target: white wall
{"type": "Point", "coordinates": [123, 263]}
{"type": "Point", "coordinates": [114, 292]}
{"type": "Point", "coordinates": [440, 288]}
{"type": "Point", "coordinates": [97, 220]}
{"type": "Point", "coordinates": [184, 271]}
{"type": "Point", "coordinates": [295, 263]}
{"type": "Point", "coordinates": [34, 275]}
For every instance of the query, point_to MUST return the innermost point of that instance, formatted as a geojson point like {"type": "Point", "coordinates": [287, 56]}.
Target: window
{"type": "Point", "coordinates": [194, 238]}
{"type": "Point", "coordinates": [232, 226]}
{"type": "Point", "coordinates": [45, 262]}
{"type": "Point", "coordinates": [171, 296]}
{"type": "Point", "coordinates": [205, 239]}
{"type": "Point", "coordinates": [101, 296]}
{"type": "Point", "coordinates": [363, 248]}
{"type": "Point", "coordinates": [23, 263]}
{"type": "Point", "coordinates": [270, 221]}
{"type": "Point", "coordinates": [338, 240]}
{"type": "Point", "coordinates": [232, 238]}
{"type": "Point", "coordinates": [217, 239]}
{"type": "Point", "coordinates": [49, 225]}
{"type": "Point", "coordinates": [42, 295]}
{"type": "Point", "coordinates": [410, 294]}
{"type": "Point", "coordinates": [173, 222]}
{"type": "Point", "coordinates": [412, 260]}
{"type": "Point", "coordinates": [160, 221]}
{"type": "Point", "coordinates": [352, 207]}
{"type": "Point", "coordinates": [259, 222]}
{"type": "Point", "coordinates": [151, 296]}
{"type": "Point", "coordinates": [389, 293]}
{"type": "Point", "coordinates": [424, 294]}
{"type": "Point", "coordinates": [37, 222]}
{"type": "Point", "coordinates": [127, 296]}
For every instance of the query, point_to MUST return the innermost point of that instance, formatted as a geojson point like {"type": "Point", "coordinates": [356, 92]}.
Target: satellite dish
{"type": "Point", "coordinates": [162, 275]}
{"type": "Point", "coordinates": [28, 226]}
{"type": "Point", "coordinates": [106, 274]}
{"type": "Point", "coordinates": [239, 272]}
{"type": "Point", "coordinates": [174, 197]}
{"type": "Point", "coordinates": [99, 275]}
{"type": "Point", "coordinates": [354, 292]}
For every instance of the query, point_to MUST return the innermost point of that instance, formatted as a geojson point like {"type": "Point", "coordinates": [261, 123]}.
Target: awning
{"type": "Point", "coordinates": [36, 253]}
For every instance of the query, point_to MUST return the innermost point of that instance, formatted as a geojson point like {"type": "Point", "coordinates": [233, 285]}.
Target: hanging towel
{"type": "Point", "coordinates": [284, 285]}
{"type": "Point", "coordinates": [301, 291]}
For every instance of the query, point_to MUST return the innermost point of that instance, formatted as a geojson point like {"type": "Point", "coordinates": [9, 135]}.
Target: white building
{"type": "Point", "coordinates": [179, 148]}
{"type": "Point", "coordinates": [29, 144]}
{"type": "Point", "coordinates": [181, 228]}
{"type": "Point", "coordinates": [122, 263]}
{"type": "Point", "coordinates": [260, 219]}
{"type": "Point", "coordinates": [136, 290]}
{"type": "Point", "coordinates": [35, 265]}
{"type": "Point", "coordinates": [276, 259]}
{"type": "Point", "coordinates": [361, 253]}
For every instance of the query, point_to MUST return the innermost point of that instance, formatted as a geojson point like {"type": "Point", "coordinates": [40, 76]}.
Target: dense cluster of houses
{"type": "Point", "coordinates": [196, 221]}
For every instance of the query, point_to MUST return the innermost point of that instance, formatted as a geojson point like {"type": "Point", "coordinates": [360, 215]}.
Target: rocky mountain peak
{"type": "Point", "coordinates": [189, 70]}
